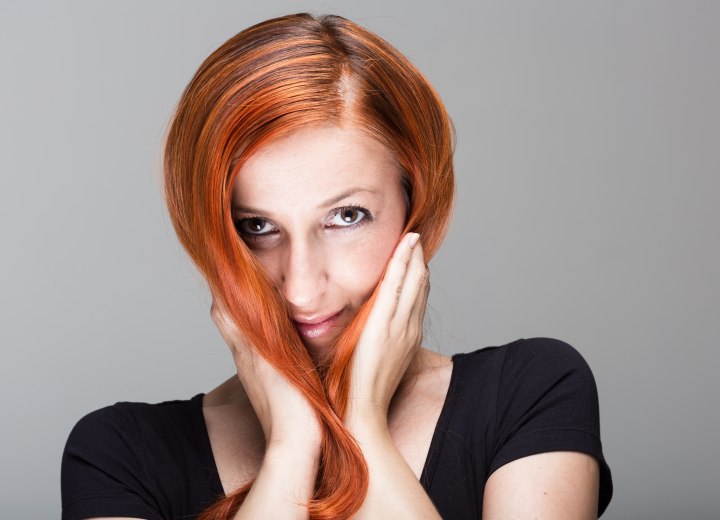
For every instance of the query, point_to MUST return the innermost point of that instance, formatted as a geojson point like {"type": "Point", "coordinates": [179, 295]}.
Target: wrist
{"type": "Point", "coordinates": [292, 450]}
{"type": "Point", "coordinates": [361, 418]}
{"type": "Point", "coordinates": [306, 438]}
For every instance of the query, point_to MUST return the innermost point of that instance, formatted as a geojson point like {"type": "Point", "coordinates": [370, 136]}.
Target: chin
{"type": "Point", "coordinates": [318, 350]}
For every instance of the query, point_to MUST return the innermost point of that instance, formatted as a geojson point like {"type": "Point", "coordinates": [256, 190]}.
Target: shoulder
{"type": "Point", "coordinates": [131, 420]}
{"type": "Point", "coordinates": [530, 351]}
{"type": "Point", "coordinates": [539, 366]}
{"type": "Point", "coordinates": [126, 431]}
{"type": "Point", "coordinates": [499, 388]}
{"type": "Point", "coordinates": [526, 364]}
{"type": "Point", "coordinates": [544, 350]}
{"type": "Point", "coordinates": [545, 378]}
{"type": "Point", "coordinates": [116, 457]}
{"type": "Point", "coordinates": [542, 398]}
{"type": "Point", "coordinates": [121, 432]}
{"type": "Point", "coordinates": [101, 427]}
{"type": "Point", "coordinates": [540, 359]}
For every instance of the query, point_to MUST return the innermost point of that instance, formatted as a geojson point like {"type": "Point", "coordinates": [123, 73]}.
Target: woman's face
{"type": "Point", "coordinates": [322, 210]}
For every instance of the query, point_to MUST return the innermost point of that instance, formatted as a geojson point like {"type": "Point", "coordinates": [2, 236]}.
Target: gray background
{"type": "Point", "coordinates": [587, 172]}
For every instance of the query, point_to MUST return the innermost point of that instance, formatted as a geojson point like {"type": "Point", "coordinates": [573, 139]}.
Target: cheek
{"type": "Point", "coordinates": [358, 266]}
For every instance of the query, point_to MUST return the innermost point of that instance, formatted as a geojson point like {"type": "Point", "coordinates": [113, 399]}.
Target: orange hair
{"type": "Point", "coordinates": [264, 83]}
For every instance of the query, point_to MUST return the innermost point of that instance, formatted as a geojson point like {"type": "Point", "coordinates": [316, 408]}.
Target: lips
{"type": "Point", "coordinates": [316, 327]}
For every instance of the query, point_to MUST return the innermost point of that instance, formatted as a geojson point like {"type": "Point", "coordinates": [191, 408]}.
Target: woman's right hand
{"type": "Point", "coordinates": [284, 413]}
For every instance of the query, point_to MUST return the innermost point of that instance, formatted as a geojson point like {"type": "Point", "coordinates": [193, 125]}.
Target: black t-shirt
{"type": "Point", "coordinates": [154, 461]}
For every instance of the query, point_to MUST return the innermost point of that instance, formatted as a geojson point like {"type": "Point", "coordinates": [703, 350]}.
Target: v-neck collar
{"type": "Point", "coordinates": [213, 476]}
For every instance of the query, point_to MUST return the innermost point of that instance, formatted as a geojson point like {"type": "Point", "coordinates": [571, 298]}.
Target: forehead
{"type": "Point", "coordinates": [312, 165]}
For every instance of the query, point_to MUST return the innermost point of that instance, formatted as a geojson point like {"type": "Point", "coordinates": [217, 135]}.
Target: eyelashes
{"type": "Point", "coordinates": [343, 219]}
{"type": "Point", "coordinates": [252, 226]}
{"type": "Point", "coordinates": [349, 211]}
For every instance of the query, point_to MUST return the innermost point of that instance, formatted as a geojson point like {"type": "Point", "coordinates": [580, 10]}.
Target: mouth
{"type": "Point", "coordinates": [316, 330]}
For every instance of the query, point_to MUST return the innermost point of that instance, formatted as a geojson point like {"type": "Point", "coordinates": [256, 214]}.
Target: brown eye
{"type": "Point", "coordinates": [349, 216]}
{"type": "Point", "coordinates": [254, 227]}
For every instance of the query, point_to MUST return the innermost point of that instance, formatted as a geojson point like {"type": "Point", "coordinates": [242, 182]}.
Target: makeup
{"type": "Point", "coordinates": [315, 330]}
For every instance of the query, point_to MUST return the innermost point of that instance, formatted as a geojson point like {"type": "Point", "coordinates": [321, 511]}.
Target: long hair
{"type": "Point", "coordinates": [262, 84]}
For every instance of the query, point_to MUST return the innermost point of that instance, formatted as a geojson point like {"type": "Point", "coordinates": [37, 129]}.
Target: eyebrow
{"type": "Point", "coordinates": [345, 194]}
{"type": "Point", "coordinates": [328, 202]}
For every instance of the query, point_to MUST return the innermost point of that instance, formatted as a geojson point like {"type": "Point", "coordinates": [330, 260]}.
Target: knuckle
{"type": "Point", "coordinates": [413, 336]}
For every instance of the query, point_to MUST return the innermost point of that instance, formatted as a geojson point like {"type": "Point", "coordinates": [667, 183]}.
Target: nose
{"type": "Point", "coordinates": [304, 277]}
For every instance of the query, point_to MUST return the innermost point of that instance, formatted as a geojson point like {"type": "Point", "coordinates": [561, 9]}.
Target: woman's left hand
{"type": "Point", "coordinates": [393, 332]}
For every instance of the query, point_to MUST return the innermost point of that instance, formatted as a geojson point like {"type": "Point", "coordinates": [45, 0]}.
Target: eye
{"type": "Point", "coordinates": [349, 216]}
{"type": "Point", "coordinates": [254, 227]}
{"type": "Point", "coordinates": [257, 228]}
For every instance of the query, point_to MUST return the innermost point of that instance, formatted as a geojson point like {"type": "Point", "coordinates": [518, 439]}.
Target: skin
{"type": "Point", "coordinates": [324, 264]}
{"type": "Point", "coordinates": [321, 262]}
{"type": "Point", "coordinates": [261, 427]}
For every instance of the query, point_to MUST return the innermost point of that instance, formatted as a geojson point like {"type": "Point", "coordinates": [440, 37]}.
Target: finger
{"type": "Point", "coordinates": [216, 308]}
{"type": "Point", "coordinates": [213, 294]}
{"type": "Point", "coordinates": [228, 330]}
{"type": "Point", "coordinates": [392, 283]}
{"type": "Point", "coordinates": [219, 315]}
{"type": "Point", "coordinates": [414, 281]}
{"type": "Point", "coordinates": [417, 314]}
{"type": "Point", "coordinates": [223, 326]}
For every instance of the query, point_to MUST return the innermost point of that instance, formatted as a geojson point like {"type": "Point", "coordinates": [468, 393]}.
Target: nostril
{"type": "Point", "coordinates": [304, 292]}
{"type": "Point", "coordinates": [303, 280]}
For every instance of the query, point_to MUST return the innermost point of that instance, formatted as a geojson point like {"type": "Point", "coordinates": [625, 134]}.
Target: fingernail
{"type": "Point", "coordinates": [413, 239]}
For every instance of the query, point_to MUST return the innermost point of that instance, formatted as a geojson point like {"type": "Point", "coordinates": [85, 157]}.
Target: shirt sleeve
{"type": "Point", "coordinates": [103, 471]}
{"type": "Point", "coordinates": [547, 400]}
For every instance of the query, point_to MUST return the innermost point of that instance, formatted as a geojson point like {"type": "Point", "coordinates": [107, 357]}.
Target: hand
{"type": "Point", "coordinates": [393, 332]}
{"type": "Point", "coordinates": [284, 413]}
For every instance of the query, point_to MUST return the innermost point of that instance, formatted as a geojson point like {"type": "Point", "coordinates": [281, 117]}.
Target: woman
{"type": "Point", "coordinates": [309, 176]}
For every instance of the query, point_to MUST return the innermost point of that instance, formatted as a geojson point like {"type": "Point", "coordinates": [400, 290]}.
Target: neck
{"type": "Point", "coordinates": [231, 391]}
